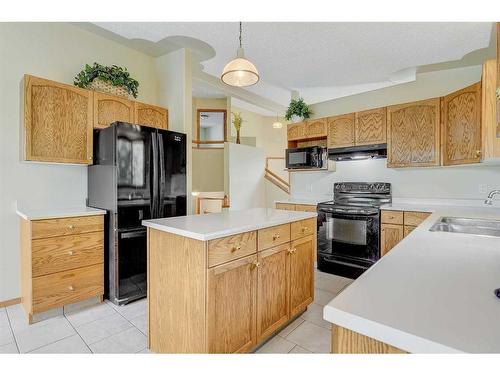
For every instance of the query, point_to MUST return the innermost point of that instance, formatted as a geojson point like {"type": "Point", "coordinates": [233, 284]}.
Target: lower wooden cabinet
{"type": "Point", "coordinates": [301, 274]}
{"type": "Point", "coordinates": [232, 306]}
{"type": "Point", "coordinates": [272, 290]}
{"type": "Point", "coordinates": [296, 207]}
{"type": "Point", "coordinates": [391, 235]}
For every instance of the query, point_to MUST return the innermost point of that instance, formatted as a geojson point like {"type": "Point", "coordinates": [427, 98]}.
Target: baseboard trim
{"type": "Point", "coordinates": [10, 302]}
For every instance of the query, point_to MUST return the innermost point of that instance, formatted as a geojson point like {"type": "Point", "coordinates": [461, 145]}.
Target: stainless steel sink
{"type": "Point", "coordinates": [480, 227]}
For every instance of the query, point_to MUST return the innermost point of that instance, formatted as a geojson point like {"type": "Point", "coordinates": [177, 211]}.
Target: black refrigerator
{"type": "Point", "coordinates": [138, 173]}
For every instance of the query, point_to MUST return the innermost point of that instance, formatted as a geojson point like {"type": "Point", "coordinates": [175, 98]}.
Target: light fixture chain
{"type": "Point", "coordinates": [240, 35]}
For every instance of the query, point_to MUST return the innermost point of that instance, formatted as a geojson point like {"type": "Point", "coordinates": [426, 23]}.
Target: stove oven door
{"type": "Point", "coordinates": [353, 237]}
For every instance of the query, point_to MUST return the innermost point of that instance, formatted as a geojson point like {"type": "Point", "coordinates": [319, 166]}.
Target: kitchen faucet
{"type": "Point", "coordinates": [492, 193]}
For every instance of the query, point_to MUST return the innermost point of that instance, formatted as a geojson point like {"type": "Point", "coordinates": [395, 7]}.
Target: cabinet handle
{"type": "Point", "coordinates": [292, 251]}
{"type": "Point", "coordinates": [256, 264]}
{"type": "Point", "coordinates": [236, 247]}
{"type": "Point", "coordinates": [71, 287]}
{"type": "Point", "coordinates": [70, 226]}
{"type": "Point", "coordinates": [276, 236]}
{"type": "Point", "coordinates": [305, 229]}
{"type": "Point", "coordinates": [478, 153]}
{"type": "Point", "coordinates": [70, 252]}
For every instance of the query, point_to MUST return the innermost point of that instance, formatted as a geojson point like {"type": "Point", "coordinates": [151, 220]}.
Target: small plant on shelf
{"type": "Point", "coordinates": [297, 110]}
{"type": "Point", "coordinates": [113, 79]}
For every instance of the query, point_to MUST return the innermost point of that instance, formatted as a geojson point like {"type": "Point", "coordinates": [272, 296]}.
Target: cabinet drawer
{"type": "Point", "coordinates": [303, 228]}
{"type": "Point", "coordinates": [273, 236]}
{"type": "Point", "coordinates": [63, 253]}
{"type": "Point", "coordinates": [224, 249]}
{"type": "Point", "coordinates": [66, 287]}
{"type": "Point", "coordinates": [305, 207]}
{"type": "Point", "coordinates": [414, 218]}
{"type": "Point", "coordinates": [392, 217]}
{"type": "Point", "coordinates": [65, 226]}
{"type": "Point", "coordinates": [285, 206]}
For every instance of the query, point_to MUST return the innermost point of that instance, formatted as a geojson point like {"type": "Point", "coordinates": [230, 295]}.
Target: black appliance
{"type": "Point", "coordinates": [349, 226]}
{"type": "Point", "coordinates": [138, 173]}
{"type": "Point", "coordinates": [377, 151]}
{"type": "Point", "coordinates": [306, 157]}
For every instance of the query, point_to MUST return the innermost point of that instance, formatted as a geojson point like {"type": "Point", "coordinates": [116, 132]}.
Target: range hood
{"type": "Point", "coordinates": [377, 151]}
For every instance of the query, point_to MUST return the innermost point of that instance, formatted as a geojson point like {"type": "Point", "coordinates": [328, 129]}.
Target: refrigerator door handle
{"type": "Point", "coordinates": [161, 162]}
{"type": "Point", "coordinates": [154, 187]}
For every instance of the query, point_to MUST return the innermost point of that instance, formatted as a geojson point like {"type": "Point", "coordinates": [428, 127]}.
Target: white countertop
{"type": "Point", "coordinates": [293, 200]}
{"type": "Point", "coordinates": [432, 293]}
{"type": "Point", "coordinates": [54, 213]}
{"type": "Point", "coordinates": [431, 205]}
{"type": "Point", "coordinates": [211, 226]}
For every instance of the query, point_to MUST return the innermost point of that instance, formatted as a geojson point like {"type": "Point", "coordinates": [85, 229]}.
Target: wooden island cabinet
{"type": "Point", "coordinates": [227, 294]}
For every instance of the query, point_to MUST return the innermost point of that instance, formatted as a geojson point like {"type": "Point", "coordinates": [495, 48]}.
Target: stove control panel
{"type": "Point", "coordinates": [362, 187]}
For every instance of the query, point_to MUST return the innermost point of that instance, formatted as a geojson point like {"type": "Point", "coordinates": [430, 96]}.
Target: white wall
{"type": "Point", "coordinates": [56, 51]}
{"type": "Point", "coordinates": [245, 165]}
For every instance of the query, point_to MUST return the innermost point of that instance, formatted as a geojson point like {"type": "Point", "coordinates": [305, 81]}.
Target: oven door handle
{"type": "Point", "coordinates": [134, 234]}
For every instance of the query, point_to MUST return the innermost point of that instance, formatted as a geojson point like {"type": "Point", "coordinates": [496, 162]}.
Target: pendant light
{"type": "Point", "coordinates": [277, 124]}
{"type": "Point", "coordinates": [240, 72]}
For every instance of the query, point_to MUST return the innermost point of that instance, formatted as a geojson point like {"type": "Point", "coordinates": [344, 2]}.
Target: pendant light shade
{"type": "Point", "coordinates": [240, 71]}
{"type": "Point", "coordinates": [277, 124]}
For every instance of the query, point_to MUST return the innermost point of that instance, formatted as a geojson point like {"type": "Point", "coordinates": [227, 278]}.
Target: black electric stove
{"type": "Point", "coordinates": [349, 227]}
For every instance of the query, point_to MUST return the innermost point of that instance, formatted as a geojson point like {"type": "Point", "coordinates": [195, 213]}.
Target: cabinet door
{"type": "Point", "coordinates": [272, 290]}
{"type": "Point", "coordinates": [370, 127]}
{"type": "Point", "coordinates": [316, 128]}
{"type": "Point", "coordinates": [461, 126]}
{"type": "Point", "coordinates": [413, 134]}
{"type": "Point", "coordinates": [296, 131]}
{"type": "Point", "coordinates": [391, 235]}
{"type": "Point", "coordinates": [110, 108]}
{"type": "Point", "coordinates": [232, 297]}
{"type": "Point", "coordinates": [301, 274]}
{"type": "Point", "coordinates": [341, 131]}
{"type": "Point", "coordinates": [58, 122]}
{"type": "Point", "coordinates": [151, 115]}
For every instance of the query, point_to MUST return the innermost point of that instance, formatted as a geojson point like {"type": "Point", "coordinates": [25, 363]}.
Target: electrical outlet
{"type": "Point", "coordinates": [483, 188]}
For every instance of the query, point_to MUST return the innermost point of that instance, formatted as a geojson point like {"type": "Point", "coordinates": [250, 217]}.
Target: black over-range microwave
{"type": "Point", "coordinates": [306, 157]}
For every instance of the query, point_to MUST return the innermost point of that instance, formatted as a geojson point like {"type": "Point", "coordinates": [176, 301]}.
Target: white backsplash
{"type": "Point", "coordinates": [462, 182]}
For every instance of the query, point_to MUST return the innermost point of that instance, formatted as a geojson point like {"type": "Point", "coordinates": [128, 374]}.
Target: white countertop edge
{"type": "Point", "coordinates": [306, 201]}
{"type": "Point", "coordinates": [56, 214]}
{"type": "Point", "coordinates": [227, 232]}
{"type": "Point", "coordinates": [389, 335]}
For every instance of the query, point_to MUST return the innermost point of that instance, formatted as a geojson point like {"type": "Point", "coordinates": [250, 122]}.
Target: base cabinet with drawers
{"type": "Point", "coordinates": [231, 293]}
{"type": "Point", "coordinates": [395, 225]}
{"type": "Point", "coordinates": [296, 207]}
{"type": "Point", "coordinates": [62, 262]}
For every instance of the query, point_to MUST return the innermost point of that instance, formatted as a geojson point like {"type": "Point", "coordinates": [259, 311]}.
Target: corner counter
{"type": "Point", "coordinates": [226, 282]}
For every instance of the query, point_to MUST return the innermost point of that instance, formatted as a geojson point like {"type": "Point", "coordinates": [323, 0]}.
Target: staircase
{"type": "Point", "coordinates": [276, 174]}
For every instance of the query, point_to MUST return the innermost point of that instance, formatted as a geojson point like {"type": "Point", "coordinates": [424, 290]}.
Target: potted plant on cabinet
{"type": "Point", "coordinates": [297, 111]}
{"type": "Point", "coordinates": [111, 79]}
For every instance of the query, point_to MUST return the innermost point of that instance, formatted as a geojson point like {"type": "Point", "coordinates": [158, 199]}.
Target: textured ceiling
{"type": "Point", "coordinates": [320, 60]}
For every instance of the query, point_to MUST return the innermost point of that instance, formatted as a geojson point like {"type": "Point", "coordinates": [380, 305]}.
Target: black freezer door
{"type": "Point", "coordinates": [172, 174]}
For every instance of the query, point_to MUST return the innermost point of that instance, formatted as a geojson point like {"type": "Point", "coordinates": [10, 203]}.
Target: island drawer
{"type": "Point", "coordinates": [303, 228]}
{"type": "Point", "coordinates": [65, 226]}
{"type": "Point", "coordinates": [305, 207]}
{"type": "Point", "coordinates": [55, 254]}
{"type": "Point", "coordinates": [392, 217]}
{"type": "Point", "coordinates": [225, 249]}
{"type": "Point", "coordinates": [273, 236]}
{"type": "Point", "coordinates": [66, 287]}
{"type": "Point", "coordinates": [415, 218]}
{"type": "Point", "coordinates": [285, 206]}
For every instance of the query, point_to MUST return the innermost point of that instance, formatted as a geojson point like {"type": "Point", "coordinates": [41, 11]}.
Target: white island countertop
{"type": "Point", "coordinates": [212, 226]}
{"type": "Point", "coordinates": [432, 293]}
{"type": "Point", "coordinates": [54, 213]}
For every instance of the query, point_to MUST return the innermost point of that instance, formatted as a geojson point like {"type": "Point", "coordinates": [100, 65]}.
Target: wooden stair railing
{"type": "Point", "coordinates": [274, 178]}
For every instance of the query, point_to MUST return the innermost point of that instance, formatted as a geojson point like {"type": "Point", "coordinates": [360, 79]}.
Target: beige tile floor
{"type": "Point", "coordinates": [107, 328]}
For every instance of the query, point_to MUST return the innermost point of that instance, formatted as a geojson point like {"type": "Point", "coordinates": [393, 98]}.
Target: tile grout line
{"type": "Point", "coordinates": [12, 331]}
{"type": "Point", "coordinates": [78, 333]}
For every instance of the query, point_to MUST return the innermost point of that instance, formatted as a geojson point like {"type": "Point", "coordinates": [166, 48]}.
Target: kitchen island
{"type": "Point", "coordinates": [432, 293]}
{"type": "Point", "coordinates": [226, 282]}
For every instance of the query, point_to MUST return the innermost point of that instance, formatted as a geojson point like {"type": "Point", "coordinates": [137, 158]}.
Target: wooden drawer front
{"type": "Point", "coordinates": [305, 207]}
{"type": "Point", "coordinates": [415, 218]}
{"type": "Point", "coordinates": [65, 287]}
{"type": "Point", "coordinates": [273, 236]}
{"type": "Point", "coordinates": [392, 217]}
{"type": "Point", "coordinates": [303, 228]}
{"type": "Point", "coordinates": [57, 254]}
{"type": "Point", "coordinates": [285, 206]}
{"type": "Point", "coordinates": [408, 229]}
{"type": "Point", "coordinates": [65, 226]}
{"type": "Point", "coordinates": [224, 249]}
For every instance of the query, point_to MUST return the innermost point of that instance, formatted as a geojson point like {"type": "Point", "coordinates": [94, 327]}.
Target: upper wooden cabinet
{"type": "Point", "coordinates": [461, 126]}
{"type": "Point", "coordinates": [57, 121]}
{"type": "Point", "coordinates": [370, 126]}
{"type": "Point", "coordinates": [110, 108]}
{"type": "Point", "coordinates": [490, 129]}
{"type": "Point", "coordinates": [316, 128]}
{"type": "Point", "coordinates": [341, 131]}
{"type": "Point", "coordinates": [413, 134]}
{"type": "Point", "coordinates": [151, 115]}
{"type": "Point", "coordinates": [296, 131]}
